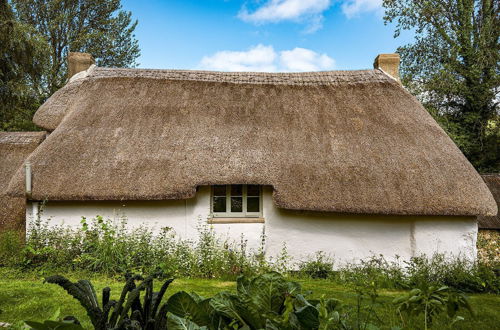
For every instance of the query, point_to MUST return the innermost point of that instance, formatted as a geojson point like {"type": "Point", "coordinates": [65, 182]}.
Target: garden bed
{"type": "Point", "coordinates": [26, 297]}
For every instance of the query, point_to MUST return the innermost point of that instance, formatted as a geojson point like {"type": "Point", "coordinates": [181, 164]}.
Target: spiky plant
{"type": "Point", "coordinates": [128, 312]}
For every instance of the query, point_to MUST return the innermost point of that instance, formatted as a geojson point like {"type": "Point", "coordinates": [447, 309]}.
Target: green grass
{"type": "Point", "coordinates": [24, 296]}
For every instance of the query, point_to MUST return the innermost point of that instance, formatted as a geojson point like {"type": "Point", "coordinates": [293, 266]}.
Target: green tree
{"type": "Point", "coordinates": [21, 61]}
{"type": "Point", "coordinates": [98, 27]}
{"type": "Point", "coordinates": [453, 67]}
{"type": "Point", "coordinates": [35, 38]}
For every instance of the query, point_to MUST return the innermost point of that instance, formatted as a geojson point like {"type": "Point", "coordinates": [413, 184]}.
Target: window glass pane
{"type": "Point", "coordinates": [219, 204]}
{"type": "Point", "coordinates": [253, 190]}
{"type": "Point", "coordinates": [253, 204]}
{"type": "Point", "coordinates": [236, 190]}
{"type": "Point", "coordinates": [219, 190]}
{"type": "Point", "coordinates": [236, 204]}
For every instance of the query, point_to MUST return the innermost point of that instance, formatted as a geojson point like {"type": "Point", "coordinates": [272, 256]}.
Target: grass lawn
{"type": "Point", "coordinates": [25, 297]}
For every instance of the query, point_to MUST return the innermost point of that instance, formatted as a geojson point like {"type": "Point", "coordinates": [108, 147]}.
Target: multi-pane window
{"type": "Point", "coordinates": [237, 200]}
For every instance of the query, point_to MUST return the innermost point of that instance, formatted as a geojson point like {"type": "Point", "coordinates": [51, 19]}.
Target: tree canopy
{"type": "Point", "coordinates": [21, 62]}
{"type": "Point", "coordinates": [454, 68]}
{"type": "Point", "coordinates": [36, 37]}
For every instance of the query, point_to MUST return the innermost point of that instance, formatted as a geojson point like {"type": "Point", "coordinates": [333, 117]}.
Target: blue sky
{"type": "Point", "coordinates": [261, 35]}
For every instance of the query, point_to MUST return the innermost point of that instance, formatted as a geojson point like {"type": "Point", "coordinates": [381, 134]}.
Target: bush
{"type": "Point", "coordinates": [430, 302]}
{"type": "Point", "coordinates": [376, 270]}
{"type": "Point", "coordinates": [321, 266]}
{"type": "Point", "coordinates": [456, 273]}
{"type": "Point", "coordinates": [102, 245]}
{"type": "Point", "coordinates": [105, 246]}
{"type": "Point", "coordinates": [11, 245]}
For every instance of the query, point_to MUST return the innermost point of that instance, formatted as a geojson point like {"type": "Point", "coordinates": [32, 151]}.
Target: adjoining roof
{"type": "Point", "coordinates": [14, 148]}
{"type": "Point", "coordinates": [493, 182]}
{"type": "Point", "coordinates": [341, 141]}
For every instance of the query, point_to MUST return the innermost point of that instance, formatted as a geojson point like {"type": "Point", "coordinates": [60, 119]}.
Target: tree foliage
{"type": "Point", "coordinates": [22, 59]}
{"type": "Point", "coordinates": [45, 31]}
{"type": "Point", "coordinates": [454, 68]}
{"type": "Point", "coordinates": [98, 27]}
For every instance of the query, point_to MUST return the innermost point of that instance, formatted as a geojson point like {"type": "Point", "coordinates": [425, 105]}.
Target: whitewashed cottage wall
{"type": "Point", "coordinates": [345, 237]}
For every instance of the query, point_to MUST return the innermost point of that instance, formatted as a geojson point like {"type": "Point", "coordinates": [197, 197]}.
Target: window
{"type": "Point", "coordinates": [237, 201]}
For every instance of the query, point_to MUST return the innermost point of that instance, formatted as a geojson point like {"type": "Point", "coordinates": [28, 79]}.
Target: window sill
{"type": "Point", "coordinates": [235, 220]}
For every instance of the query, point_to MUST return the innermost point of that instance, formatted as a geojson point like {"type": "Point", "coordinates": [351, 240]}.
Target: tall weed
{"type": "Point", "coordinates": [106, 246]}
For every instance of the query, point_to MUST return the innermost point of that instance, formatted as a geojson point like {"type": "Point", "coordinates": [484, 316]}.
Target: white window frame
{"type": "Point", "coordinates": [230, 214]}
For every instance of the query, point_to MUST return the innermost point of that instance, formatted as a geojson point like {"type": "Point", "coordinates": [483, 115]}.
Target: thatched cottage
{"type": "Point", "coordinates": [345, 162]}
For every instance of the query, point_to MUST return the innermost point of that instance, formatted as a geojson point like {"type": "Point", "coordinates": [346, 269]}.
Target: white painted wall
{"type": "Point", "coordinates": [183, 216]}
{"type": "Point", "coordinates": [346, 238]}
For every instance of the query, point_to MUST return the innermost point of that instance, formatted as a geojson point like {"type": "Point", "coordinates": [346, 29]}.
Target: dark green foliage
{"type": "Point", "coordinates": [267, 301]}
{"type": "Point", "coordinates": [21, 62]}
{"type": "Point", "coordinates": [454, 68]}
{"type": "Point", "coordinates": [319, 267]}
{"type": "Point", "coordinates": [128, 312]}
{"type": "Point", "coordinates": [35, 38]}
{"type": "Point", "coordinates": [99, 27]}
{"type": "Point", "coordinates": [11, 242]}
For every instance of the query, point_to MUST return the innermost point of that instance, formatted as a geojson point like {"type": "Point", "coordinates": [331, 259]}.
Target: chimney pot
{"type": "Point", "coordinates": [389, 63]}
{"type": "Point", "coordinates": [78, 62]}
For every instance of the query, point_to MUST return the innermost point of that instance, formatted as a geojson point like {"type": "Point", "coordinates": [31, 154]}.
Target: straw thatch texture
{"type": "Point", "coordinates": [491, 222]}
{"type": "Point", "coordinates": [14, 148]}
{"type": "Point", "coordinates": [346, 141]}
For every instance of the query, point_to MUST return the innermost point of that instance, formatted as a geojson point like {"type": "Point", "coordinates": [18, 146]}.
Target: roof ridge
{"type": "Point", "coordinates": [273, 78]}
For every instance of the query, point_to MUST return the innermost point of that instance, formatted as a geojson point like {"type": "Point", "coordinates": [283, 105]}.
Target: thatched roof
{"type": "Point", "coordinates": [14, 148]}
{"type": "Point", "coordinates": [341, 141]}
{"type": "Point", "coordinates": [493, 182]}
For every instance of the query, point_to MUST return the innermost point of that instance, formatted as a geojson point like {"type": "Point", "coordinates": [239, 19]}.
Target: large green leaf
{"type": "Point", "coordinates": [52, 325]}
{"type": "Point", "coordinates": [184, 305]}
{"type": "Point", "coordinates": [178, 323]}
{"type": "Point", "coordinates": [242, 285]}
{"type": "Point", "coordinates": [267, 292]}
{"type": "Point", "coordinates": [229, 306]}
{"type": "Point", "coordinates": [308, 317]}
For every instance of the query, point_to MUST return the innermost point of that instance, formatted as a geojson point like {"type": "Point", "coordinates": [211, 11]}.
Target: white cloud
{"type": "Point", "coordinates": [288, 10]}
{"type": "Point", "coordinates": [301, 59]}
{"type": "Point", "coordinates": [259, 58]}
{"type": "Point", "coordinates": [265, 59]}
{"type": "Point", "coordinates": [351, 8]}
{"type": "Point", "coordinates": [308, 11]}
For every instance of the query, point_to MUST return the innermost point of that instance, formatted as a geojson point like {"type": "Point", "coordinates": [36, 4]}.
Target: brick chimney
{"type": "Point", "coordinates": [389, 63]}
{"type": "Point", "coordinates": [78, 62]}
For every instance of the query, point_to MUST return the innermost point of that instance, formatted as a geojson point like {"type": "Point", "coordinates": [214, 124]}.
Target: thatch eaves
{"type": "Point", "coordinates": [340, 141]}
{"type": "Point", "coordinates": [493, 183]}
{"type": "Point", "coordinates": [15, 147]}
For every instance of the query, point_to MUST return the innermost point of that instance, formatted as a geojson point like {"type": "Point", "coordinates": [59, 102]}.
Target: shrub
{"type": "Point", "coordinates": [320, 266]}
{"type": "Point", "coordinates": [430, 302]}
{"type": "Point", "coordinates": [457, 273]}
{"type": "Point", "coordinates": [11, 245]}
{"type": "Point", "coordinates": [438, 270]}
{"type": "Point", "coordinates": [102, 245]}
{"type": "Point", "coordinates": [105, 246]}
